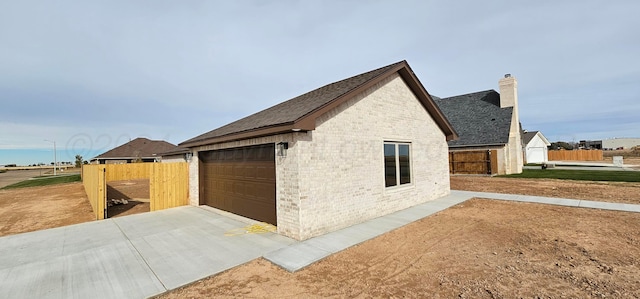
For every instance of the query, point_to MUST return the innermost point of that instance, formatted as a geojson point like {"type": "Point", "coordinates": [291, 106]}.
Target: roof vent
{"type": "Point", "coordinates": [507, 75]}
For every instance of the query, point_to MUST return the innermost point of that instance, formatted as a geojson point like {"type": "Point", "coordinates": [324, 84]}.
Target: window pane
{"type": "Point", "coordinates": [390, 165]}
{"type": "Point", "coordinates": [403, 157]}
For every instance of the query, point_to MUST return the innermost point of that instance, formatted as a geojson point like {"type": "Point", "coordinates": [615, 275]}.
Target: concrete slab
{"type": "Point", "coordinates": [624, 207]}
{"type": "Point", "coordinates": [111, 271]}
{"type": "Point", "coordinates": [128, 257]}
{"type": "Point", "coordinates": [199, 249]}
{"type": "Point", "coordinates": [554, 201]}
{"type": "Point", "coordinates": [143, 255]}
{"type": "Point", "coordinates": [297, 256]}
{"type": "Point", "coordinates": [301, 255]}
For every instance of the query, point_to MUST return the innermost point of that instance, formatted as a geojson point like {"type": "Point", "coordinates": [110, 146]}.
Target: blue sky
{"type": "Point", "coordinates": [95, 74]}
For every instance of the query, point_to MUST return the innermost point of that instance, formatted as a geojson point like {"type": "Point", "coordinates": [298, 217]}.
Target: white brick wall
{"type": "Point", "coordinates": [342, 166]}
{"type": "Point", "coordinates": [333, 177]}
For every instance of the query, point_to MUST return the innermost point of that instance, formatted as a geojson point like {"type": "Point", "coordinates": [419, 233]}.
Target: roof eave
{"type": "Point", "coordinates": [477, 145]}
{"type": "Point", "coordinates": [260, 132]}
{"type": "Point", "coordinates": [308, 121]}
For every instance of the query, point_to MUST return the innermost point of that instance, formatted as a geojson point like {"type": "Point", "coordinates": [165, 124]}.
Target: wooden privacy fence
{"type": "Point", "coordinates": [95, 185]}
{"type": "Point", "coordinates": [473, 162]}
{"type": "Point", "coordinates": [131, 171]}
{"type": "Point", "coordinates": [576, 155]}
{"type": "Point", "coordinates": [168, 183]}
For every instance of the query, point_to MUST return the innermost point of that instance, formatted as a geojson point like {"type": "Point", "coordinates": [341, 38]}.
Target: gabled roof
{"type": "Point", "coordinates": [300, 113]}
{"type": "Point", "coordinates": [527, 136]}
{"type": "Point", "coordinates": [477, 118]}
{"type": "Point", "coordinates": [138, 148]}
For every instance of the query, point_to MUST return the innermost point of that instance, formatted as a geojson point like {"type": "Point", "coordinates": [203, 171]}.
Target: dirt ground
{"type": "Point", "coordinates": [625, 160]}
{"type": "Point", "coordinates": [599, 191]}
{"type": "Point", "coordinates": [478, 249]}
{"type": "Point", "coordinates": [136, 192]}
{"type": "Point", "coordinates": [31, 209]}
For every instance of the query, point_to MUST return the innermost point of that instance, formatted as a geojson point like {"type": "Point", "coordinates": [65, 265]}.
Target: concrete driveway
{"type": "Point", "coordinates": [129, 257]}
{"type": "Point", "coordinates": [146, 254]}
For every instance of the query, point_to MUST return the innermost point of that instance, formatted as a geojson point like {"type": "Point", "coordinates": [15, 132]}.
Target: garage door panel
{"type": "Point", "coordinates": [241, 181]}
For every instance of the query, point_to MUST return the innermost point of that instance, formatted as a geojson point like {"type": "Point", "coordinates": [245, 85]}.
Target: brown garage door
{"type": "Point", "coordinates": [241, 181]}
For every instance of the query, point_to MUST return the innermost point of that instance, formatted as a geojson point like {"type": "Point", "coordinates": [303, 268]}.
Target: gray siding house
{"type": "Point", "coordinates": [341, 154]}
{"type": "Point", "coordinates": [488, 121]}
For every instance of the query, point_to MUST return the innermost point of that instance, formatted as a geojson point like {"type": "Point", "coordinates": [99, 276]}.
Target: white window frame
{"type": "Point", "coordinates": [397, 164]}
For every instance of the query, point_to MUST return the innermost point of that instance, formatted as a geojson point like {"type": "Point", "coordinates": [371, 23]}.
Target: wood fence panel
{"type": "Point", "coordinates": [494, 161]}
{"type": "Point", "coordinates": [169, 185]}
{"type": "Point", "coordinates": [95, 185]}
{"type": "Point", "coordinates": [575, 155]}
{"type": "Point", "coordinates": [470, 162]}
{"type": "Point", "coordinates": [130, 171]}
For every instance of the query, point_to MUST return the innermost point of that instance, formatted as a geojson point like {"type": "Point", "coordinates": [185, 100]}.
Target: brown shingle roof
{"type": "Point", "coordinates": [138, 148]}
{"type": "Point", "coordinates": [300, 112]}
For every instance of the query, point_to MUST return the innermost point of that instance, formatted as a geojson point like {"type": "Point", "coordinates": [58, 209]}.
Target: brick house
{"type": "Point", "coordinates": [140, 149]}
{"type": "Point", "coordinates": [341, 154]}
{"type": "Point", "coordinates": [488, 125]}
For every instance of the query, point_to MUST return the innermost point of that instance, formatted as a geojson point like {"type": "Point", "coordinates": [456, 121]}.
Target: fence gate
{"type": "Point", "coordinates": [168, 183]}
{"type": "Point", "coordinates": [473, 162]}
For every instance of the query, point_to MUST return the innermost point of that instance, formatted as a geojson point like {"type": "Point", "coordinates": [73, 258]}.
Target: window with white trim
{"type": "Point", "coordinates": [397, 164]}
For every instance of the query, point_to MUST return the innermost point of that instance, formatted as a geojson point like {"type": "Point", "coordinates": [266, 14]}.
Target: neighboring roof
{"type": "Point", "coordinates": [176, 151]}
{"type": "Point", "coordinates": [300, 113]}
{"type": "Point", "coordinates": [138, 148]}
{"type": "Point", "coordinates": [477, 118]}
{"type": "Point", "coordinates": [527, 136]}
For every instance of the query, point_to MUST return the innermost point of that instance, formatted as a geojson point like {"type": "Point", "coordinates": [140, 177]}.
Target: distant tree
{"type": "Point", "coordinates": [85, 162]}
{"type": "Point", "coordinates": [52, 163]}
{"type": "Point", "coordinates": [78, 161]}
{"type": "Point", "coordinates": [561, 145]}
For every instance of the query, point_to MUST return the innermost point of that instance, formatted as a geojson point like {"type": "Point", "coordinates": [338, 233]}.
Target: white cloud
{"type": "Point", "coordinates": [173, 70]}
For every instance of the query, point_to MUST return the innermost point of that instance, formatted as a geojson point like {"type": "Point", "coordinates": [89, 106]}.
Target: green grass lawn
{"type": "Point", "coordinates": [580, 175]}
{"type": "Point", "coordinates": [45, 181]}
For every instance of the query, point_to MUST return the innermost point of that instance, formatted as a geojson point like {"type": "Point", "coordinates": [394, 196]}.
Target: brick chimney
{"type": "Point", "coordinates": [508, 92]}
{"type": "Point", "coordinates": [509, 98]}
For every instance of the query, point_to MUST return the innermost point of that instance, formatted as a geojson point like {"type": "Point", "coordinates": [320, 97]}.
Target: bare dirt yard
{"type": "Point", "coordinates": [136, 192]}
{"type": "Point", "coordinates": [598, 191]}
{"type": "Point", "coordinates": [36, 208]}
{"type": "Point", "coordinates": [30, 209]}
{"type": "Point", "coordinates": [478, 249]}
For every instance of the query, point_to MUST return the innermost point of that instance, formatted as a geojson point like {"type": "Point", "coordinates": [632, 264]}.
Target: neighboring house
{"type": "Point", "coordinates": [179, 154]}
{"type": "Point", "coordinates": [137, 150]}
{"type": "Point", "coordinates": [536, 147]}
{"type": "Point", "coordinates": [344, 153]}
{"type": "Point", "coordinates": [487, 122]}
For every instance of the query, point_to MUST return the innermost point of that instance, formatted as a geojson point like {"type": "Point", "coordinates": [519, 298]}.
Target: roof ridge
{"type": "Point", "coordinates": [470, 94]}
{"type": "Point", "coordinates": [300, 113]}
